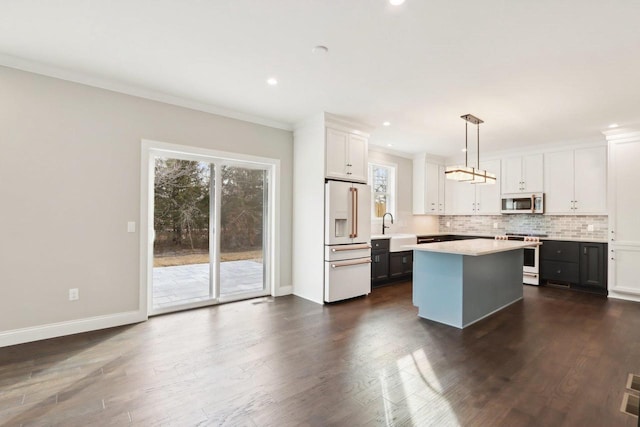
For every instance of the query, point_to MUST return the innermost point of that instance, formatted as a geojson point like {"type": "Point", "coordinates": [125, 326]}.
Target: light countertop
{"type": "Point", "coordinates": [393, 235]}
{"type": "Point", "coordinates": [472, 247]}
{"type": "Point", "coordinates": [491, 236]}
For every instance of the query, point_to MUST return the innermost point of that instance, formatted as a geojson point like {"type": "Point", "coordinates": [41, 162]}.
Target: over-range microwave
{"type": "Point", "coordinates": [523, 203]}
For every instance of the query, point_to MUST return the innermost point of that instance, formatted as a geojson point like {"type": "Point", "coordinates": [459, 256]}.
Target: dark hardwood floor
{"type": "Point", "coordinates": [557, 358]}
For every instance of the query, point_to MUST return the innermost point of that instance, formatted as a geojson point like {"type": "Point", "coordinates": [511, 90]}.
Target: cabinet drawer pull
{"type": "Point", "coordinates": [347, 264]}
{"type": "Point", "coordinates": [353, 247]}
{"type": "Point", "coordinates": [559, 271]}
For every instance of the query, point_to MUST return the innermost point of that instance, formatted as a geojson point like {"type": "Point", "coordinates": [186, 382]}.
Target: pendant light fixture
{"type": "Point", "coordinates": [468, 173]}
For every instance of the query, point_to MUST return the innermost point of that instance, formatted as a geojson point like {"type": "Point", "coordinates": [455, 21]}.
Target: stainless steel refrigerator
{"type": "Point", "coordinates": [347, 250]}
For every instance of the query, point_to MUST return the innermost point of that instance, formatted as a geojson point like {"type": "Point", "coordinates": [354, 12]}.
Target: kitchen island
{"type": "Point", "coordinates": [460, 282]}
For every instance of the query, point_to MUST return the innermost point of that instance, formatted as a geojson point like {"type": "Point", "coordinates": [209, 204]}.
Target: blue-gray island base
{"type": "Point", "coordinates": [459, 290]}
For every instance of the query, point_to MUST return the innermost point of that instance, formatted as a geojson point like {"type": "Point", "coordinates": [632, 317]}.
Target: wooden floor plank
{"type": "Point", "coordinates": [557, 358]}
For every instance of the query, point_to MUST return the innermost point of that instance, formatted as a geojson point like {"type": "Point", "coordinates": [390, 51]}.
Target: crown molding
{"type": "Point", "coordinates": [391, 152]}
{"type": "Point", "coordinates": [140, 92]}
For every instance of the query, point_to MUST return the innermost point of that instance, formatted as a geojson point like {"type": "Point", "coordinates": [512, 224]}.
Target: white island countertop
{"type": "Point", "coordinates": [472, 247]}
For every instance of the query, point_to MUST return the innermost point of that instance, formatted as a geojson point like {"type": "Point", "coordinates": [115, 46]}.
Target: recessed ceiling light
{"type": "Point", "coordinates": [389, 145]}
{"type": "Point", "coordinates": [613, 125]}
{"type": "Point", "coordinates": [396, 2]}
{"type": "Point", "coordinates": [320, 50]}
{"type": "Point", "coordinates": [386, 124]}
{"type": "Point", "coordinates": [272, 81]}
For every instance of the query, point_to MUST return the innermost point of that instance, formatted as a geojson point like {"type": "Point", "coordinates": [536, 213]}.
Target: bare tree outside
{"type": "Point", "coordinates": [181, 217]}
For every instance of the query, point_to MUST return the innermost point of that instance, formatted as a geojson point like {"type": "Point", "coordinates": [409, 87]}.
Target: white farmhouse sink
{"type": "Point", "coordinates": [397, 240]}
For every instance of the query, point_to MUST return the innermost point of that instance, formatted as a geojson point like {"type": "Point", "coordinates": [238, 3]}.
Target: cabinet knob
{"type": "Point", "coordinates": [559, 271]}
{"type": "Point", "coordinates": [559, 251]}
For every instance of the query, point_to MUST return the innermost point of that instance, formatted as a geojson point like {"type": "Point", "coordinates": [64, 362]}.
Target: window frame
{"type": "Point", "coordinates": [392, 187]}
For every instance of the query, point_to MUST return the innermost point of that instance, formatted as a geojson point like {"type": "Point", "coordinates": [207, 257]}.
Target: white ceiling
{"type": "Point", "coordinates": [538, 72]}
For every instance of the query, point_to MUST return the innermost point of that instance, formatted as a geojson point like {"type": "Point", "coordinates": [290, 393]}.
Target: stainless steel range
{"type": "Point", "coordinates": [531, 265]}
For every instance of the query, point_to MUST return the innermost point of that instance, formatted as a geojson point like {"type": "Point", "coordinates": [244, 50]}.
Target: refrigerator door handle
{"type": "Point", "coordinates": [354, 212]}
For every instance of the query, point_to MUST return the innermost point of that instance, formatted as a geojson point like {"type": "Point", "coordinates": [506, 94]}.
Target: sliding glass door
{"type": "Point", "coordinates": [242, 230]}
{"type": "Point", "coordinates": [210, 239]}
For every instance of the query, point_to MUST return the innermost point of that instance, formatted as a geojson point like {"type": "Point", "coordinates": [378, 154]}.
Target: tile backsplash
{"type": "Point", "coordinates": [558, 226]}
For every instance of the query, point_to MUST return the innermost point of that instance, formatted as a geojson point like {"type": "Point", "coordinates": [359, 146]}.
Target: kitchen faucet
{"type": "Point", "coordinates": [383, 218]}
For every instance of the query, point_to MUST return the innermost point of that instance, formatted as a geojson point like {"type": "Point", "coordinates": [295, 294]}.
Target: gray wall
{"type": "Point", "coordinates": [70, 181]}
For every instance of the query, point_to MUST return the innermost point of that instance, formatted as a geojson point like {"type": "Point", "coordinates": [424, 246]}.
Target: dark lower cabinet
{"type": "Point", "coordinates": [400, 264]}
{"type": "Point", "coordinates": [389, 266]}
{"type": "Point", "coordinates": [379, 261]}
{"type": "Point", "coordinates": [379, 266]}
{"type": "Point", "coordinates": [593, 266]}
{"type": "Point", "coordinates": [574, 264]}
{"type": "Point", "coordinates": [561, 271]}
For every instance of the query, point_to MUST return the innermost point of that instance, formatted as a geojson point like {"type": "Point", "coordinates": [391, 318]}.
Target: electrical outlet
{"type": "Point", "coordinates": [448, 224]}
{"type": "Point", "coordinates": [131, 227]}
{"type": "Point", "coordinates": [590, 227]}
{"type": "Point", "coordinates": [495, 225]}
{"type": "Point", "coordinates": [74, 294]}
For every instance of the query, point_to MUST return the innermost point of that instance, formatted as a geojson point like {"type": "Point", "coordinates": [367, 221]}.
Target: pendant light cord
{"type": "Point", "coordinates": [466, 144]}
{"type": "Point", "coordinates": [478, 147]}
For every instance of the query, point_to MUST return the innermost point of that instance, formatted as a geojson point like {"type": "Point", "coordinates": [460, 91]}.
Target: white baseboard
{"type": "Point", "coordinates": [624, 296]}
{"type": "Point", "coordinates": [283, 290]}
{"type": "Point", "coordinates": [53, 330]}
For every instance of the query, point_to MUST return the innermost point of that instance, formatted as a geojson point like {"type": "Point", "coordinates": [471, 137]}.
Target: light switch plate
{"type": "Point", "coordinates": [131, 227]}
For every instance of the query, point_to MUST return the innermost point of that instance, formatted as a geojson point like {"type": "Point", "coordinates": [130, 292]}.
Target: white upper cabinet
{"type": "Point", "coordinates": [488, 195]}
{"type": "Point", "coordinates": [428, 187]}
{"type": "Point", "coordinates": [358, 154]}
{"type": "Point", "coordinates": [590, 180]}
{"type": "Point", "coordinates": [522, 174]}
{"type": "Point", "coordinates": [558, 178]}
{"type": "Point", "coordinates": [460, 198]}
{"type": "Point", "coordinates": [576, 181]}
{"type": "Point", "coordinates": [346, 155]}
{"type": "Point", "coordinates": [463, 198]}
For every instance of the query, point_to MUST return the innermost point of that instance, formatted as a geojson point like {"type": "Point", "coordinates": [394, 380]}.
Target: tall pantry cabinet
{"type": "Point", "coordinates": [324, 147]}
{"type": "Point", "coordinates": [624, 205]}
